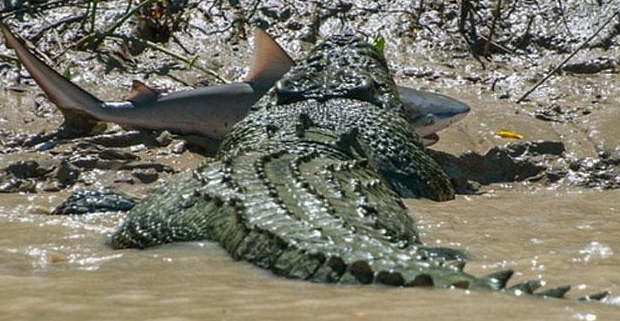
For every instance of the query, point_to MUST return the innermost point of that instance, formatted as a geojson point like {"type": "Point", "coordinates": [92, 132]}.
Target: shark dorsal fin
{"type": "Point", "coordinates": [141, 92]}
{"type": "Point", "coordinates": [270, 60]}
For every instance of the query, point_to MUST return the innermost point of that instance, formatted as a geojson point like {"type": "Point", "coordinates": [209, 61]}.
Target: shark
{"type": "Point", "coordinates": [429, 112]}
{"type": "Point", "coordinates": [208, 111]}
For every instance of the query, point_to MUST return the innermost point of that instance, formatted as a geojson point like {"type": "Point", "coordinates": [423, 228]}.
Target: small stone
{"type": "Point", "coordinates": [179, 148]}
{"type": "Point", "coordinates": [87, 162]}
{"type": "Point", "coordinates": [116, 154]}
{"type": "Point", "coordinates": [24, 169]}
{"type": "Point", "coordinates": [146, 176]}
{"type": "Point", "coordinates": [66, 174]}
{"type": "Point", "coordinates": [164, 138]}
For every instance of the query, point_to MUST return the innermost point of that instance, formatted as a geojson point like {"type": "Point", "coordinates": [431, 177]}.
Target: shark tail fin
{"type": "Point", "coordinates": [73, 102]}
{"type": "Point", "coordinates": [270, 60]}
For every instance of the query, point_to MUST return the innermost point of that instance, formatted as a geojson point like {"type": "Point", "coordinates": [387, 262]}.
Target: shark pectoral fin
{"type": "Point", "coordinates": [141, 93]}
{"type": "Point", "coordinates": [270, 60]}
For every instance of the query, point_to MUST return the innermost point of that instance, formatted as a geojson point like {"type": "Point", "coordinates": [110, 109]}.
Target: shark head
{"type": "Point", "coordinates": [429, 113]}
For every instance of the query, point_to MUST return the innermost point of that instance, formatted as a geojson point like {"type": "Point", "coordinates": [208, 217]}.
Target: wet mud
{"type": "Point", "coordinates": [554, 190]}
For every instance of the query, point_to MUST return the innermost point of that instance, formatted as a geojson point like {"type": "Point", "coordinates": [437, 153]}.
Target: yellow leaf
{"type": "Point", "coordinates": [509, 135]}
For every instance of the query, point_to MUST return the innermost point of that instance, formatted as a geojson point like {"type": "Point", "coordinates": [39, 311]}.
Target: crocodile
{"type": "Point", "coordinates": [309, 184]}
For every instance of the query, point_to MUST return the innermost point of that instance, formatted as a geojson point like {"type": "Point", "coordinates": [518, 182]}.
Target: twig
{"type": "Point", "coordinates": [93, 16]}
{"type": "Point", "coordinates": [190, 62]}
{"type": "Point", "coordinates": [496, 45]}
{"type": "Point", "coordinates": [54, 25]}
{"type": "Point", "coordinates": [129, 4]}
{"type": "Point", "coordinates": [8, 58]}
{"type": "Point", "coordinates": [95, 38]}
{"type": "Point", "coordinates": [568, 58]}
{"type": "Point", "coordinates": [487, 45]}
{"type": "Point", "coordinates": [561, 8]}
{"type": "Point", "coordinates": [33, 7]}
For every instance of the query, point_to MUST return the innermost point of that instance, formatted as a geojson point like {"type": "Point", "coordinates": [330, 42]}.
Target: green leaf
{"type": "Point", "coordinates": [379, 43]}
{"type": "Point", "coordinates": [67, 72]}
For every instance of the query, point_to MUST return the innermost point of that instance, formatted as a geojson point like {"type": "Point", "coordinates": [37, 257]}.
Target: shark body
{"type": "Point", "coordinates": [209, 111]}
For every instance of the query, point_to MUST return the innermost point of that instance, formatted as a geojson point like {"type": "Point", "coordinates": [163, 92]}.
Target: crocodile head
{"type": "Point", "coordinates": [342, 66]}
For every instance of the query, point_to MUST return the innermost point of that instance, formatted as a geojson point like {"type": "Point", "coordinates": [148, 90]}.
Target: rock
{"type": "Point", "coordinates": [66, 174]}
{"type": "Point", "coordinates": [146, 176]}
{"type": "Point", "coordinates": [87, 162]}
{"type": "Point", "coordinates": [592, 66]}
{"type": "Point", "coordinates": [164, 138]}
{"type": "Point", "coordinates": [147, 165]}
{"type": "Point", "coordinates": [179, 148]}
{"type": "Point", "coordinates": [541, 161]}
{"type": "Point", "coordinates": [25, 169]}
{"type": "Point", "coordinates": [602, 172]}
{"type": "Point", "coordinates": [201, 144]}
{"type": "Point", "coordinates": [116, 154]}
{"type": "Point", "coordinates": [17, 185]}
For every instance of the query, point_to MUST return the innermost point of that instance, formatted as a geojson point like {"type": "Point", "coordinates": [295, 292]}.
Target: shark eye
{"type": "Point", "coordinates": [429, 120]}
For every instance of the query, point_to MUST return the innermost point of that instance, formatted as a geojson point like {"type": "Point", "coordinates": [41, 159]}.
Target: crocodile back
{"type": "Point", "coordinates": [308, 185]}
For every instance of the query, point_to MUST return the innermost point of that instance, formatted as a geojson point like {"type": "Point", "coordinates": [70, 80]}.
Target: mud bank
{"type": "Point", "coordinates": [546, 206]}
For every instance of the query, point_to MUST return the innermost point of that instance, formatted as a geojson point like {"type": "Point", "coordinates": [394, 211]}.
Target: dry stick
{"type": "Point", "coordinates": [93, 15]}
{"type": "Point", "coordinates": [487, 46]}
{"type": "Point", "coordinates": [190, 62]}
{"type": "Point", "coordinates": [561, 7]}
{"type": "Point", "coordinates": [8, 58]}
{"type": "Point", "coordinates": [91, 38]}
{"type": "Point", "coordinates": [567, 58]}
{"type": "Point", "coordinates": [54, 25]}
{"type": "Point", "coordinates": [42, 6]}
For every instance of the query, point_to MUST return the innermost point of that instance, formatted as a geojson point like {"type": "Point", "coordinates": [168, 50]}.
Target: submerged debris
{"type": "Point", "coordinates": [85, 202]}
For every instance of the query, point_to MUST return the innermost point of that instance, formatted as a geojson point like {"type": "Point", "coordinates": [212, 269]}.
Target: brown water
{"type": "Point", "coordinates": [58, 268]}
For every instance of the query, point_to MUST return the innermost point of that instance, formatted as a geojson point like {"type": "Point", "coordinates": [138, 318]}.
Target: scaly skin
{"type": "Point", "coordinates": [308, 184]}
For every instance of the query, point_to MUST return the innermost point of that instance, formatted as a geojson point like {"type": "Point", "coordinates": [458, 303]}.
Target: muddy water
{"type": "Point", "coordinates": [58, 268]}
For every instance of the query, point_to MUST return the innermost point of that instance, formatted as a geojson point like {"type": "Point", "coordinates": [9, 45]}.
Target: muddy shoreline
{"type": "Point", "coordinates": [431, 47]}
{"type": "Point", "coordinates": [546, 205]}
